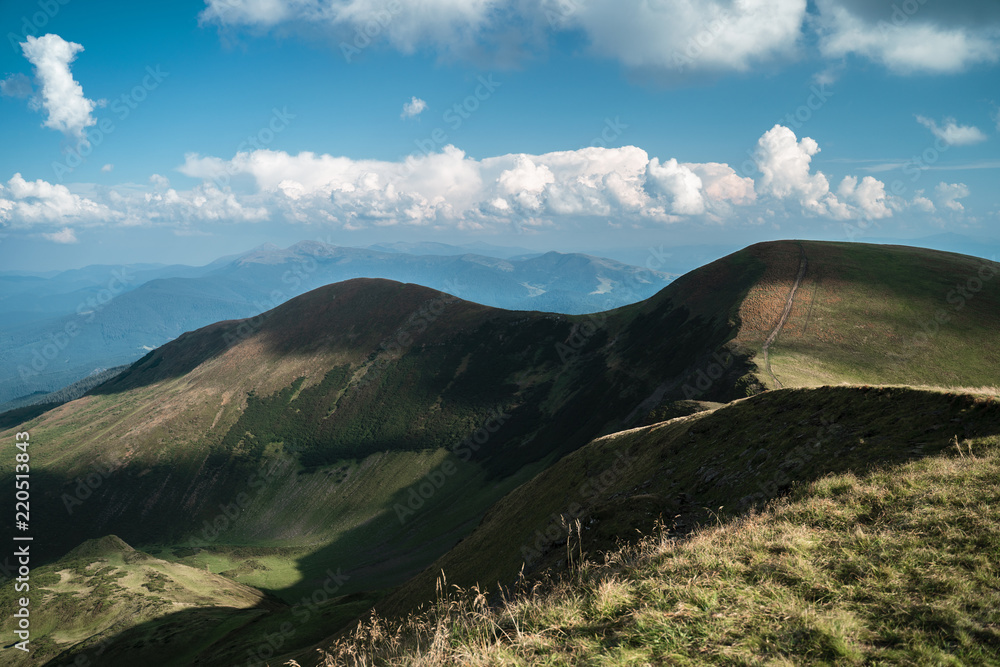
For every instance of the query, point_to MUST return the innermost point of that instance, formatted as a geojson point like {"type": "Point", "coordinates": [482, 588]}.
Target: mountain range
{"type": "Point", "coordinates": [337, 452]}
{"type": "Point", "coordinates": [65, 327]}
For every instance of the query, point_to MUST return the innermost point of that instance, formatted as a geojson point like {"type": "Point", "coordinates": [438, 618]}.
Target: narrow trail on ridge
{"type": "Point", "coordinates": [803, 265]}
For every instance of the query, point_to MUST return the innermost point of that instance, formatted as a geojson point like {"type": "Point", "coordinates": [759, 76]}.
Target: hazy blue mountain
{"type": "Point", "coordinates": [433, 248]}
{"type": "Point", "coordinates": [65, 327]}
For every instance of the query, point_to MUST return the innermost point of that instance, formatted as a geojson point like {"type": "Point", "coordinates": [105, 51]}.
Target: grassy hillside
{"type": "Point", "coordinates": [104, 586]}
{"type": "Point", "coordinates": [326, 412]}
{"type": "Point", "coordinates": [880, 314]}
{"type": "Point", "coordinates": [702, 468]}
{"type": "Point", "coordinates": [368, 426]}
{"type": "Point", "coordinates": [891, 565]}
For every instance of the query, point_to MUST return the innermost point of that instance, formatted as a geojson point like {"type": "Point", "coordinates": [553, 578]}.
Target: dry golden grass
{"type": "Point", "coordinates": [898, 566]}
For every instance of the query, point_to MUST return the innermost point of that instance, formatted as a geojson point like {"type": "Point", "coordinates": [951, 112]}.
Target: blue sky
{"type": "Point", "coordinates": [182, 131]}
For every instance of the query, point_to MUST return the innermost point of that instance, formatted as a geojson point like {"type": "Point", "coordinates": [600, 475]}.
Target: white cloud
{"type": "Point", "coordinates": [948, 195]}
{"type": "Point", "coordinates": [16, 85]}
{"type": "Point", "coordinates": [61, 96]}
{"type": "Point", "coordinates": [660, 35]}
{"type": "Point", "coordinates": [785, 166]}
{"type": "Point", "coordinates": [25, 203]}
{"type": "Point", "coordinates": [786, 173]}
{"type": "Point", "coordinates": [107, 169]}
{"type": "Point", "coordinates": [868, 197]}
{"type": "Point", "coordinates": [448, 25]}
{"type": "Point", "coordinates": [708, 34]}
{"type": "Point", "coordinates": [413, 108]}
{"type": "Point", "coordinates": [721, 183]}
{"type": "Point", "coordinates": [450, 190]}
{"type": "Point", "coordinates": [922, 203]}
{"type": "Point", "coordinates": [64, 235]}
{"type": "Point", "coordinates": [903, 41]}
{"type": "Point", "coordinates": [681, 186]}
{"type": "Point", "coordinates": [690, 34]}
{"type": "Point", "coordinates": [952, 133]}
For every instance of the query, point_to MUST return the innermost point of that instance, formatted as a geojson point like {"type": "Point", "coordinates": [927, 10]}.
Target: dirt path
{"type": "Point", "coordinates": [803, 265]}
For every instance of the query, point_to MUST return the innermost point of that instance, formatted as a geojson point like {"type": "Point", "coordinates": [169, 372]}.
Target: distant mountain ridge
{"type": "Point", "coordinates": [111, 316]}
{"type": "Point", "coordinates": [368, 426]}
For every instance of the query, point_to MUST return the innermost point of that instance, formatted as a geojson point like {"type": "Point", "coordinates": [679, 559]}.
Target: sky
{"type": "Point", "coordinates": [181, 131]}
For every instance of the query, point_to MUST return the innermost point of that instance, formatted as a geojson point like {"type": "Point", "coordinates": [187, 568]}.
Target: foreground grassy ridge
{"type": "Point", "coordinates": [690, 470]}
{"type": "Point", "coordinates": [896, 566]}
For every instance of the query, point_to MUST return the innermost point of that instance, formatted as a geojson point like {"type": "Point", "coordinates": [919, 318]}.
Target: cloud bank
{"type": "Point", "coordinates": [916, 36]}
{"type": "Point", "coordinates": [448, 190]}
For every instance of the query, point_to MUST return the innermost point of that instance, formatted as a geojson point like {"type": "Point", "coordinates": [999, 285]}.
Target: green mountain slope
{"type": "Point", "coordinates": [104, 586]}
{"type": "Point", "coordinates": [701, 468]}
{"type": "Point", "coordinates": [893, 564]}
{"type": "Point", "coordinates": [367, 426]}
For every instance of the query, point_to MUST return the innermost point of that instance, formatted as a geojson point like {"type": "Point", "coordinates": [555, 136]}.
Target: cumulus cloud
{"type": "Point", "coordinates": [785, 163]}
{"type": "Point", "coordinates": [924, 39]}
{"type": "Point", "coordinates": [785, 166]}
{"type": "Point", "coordinates": [61, 96]}
{"type": "Point", "coordinates": [690, 34]}
{"type": "Point", "coordinates": [867, 197]}
{"type": "Point", "coordinates": [664, 36]}
{"type": "Point", "coordinates": [25, 203]}
{"type": "Point", "coordinates": [952, 133]}
{"type": "Point", "coordinates": [922, 203]}
{"type": "Point", "coordinates": [447, 25]}
{"type": "Point", "coordinates": [450, 190]}
{"type": "Point", "coordinates": [16, 85]}
{"type": "Point", "coordinates": [948, 195]}
{"type": "Point", "coordinates": [681, 186]}
{"type": "Point", "coordinates": [108, 168]}
{"type": "Point", "coordinates": [413, 108]}
{"type": "Point", "coordinates": [64, 235]}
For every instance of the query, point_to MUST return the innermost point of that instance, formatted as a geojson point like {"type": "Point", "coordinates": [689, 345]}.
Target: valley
{"type": "Point", "coordinates": [336, 453]}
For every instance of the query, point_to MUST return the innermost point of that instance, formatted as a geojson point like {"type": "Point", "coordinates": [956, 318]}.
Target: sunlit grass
{"type": "Point", "coordinates": [899, 565]}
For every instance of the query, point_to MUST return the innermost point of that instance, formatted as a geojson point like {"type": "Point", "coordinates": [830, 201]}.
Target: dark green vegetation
{"type": "Point", "coordinates": [357, 433]}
